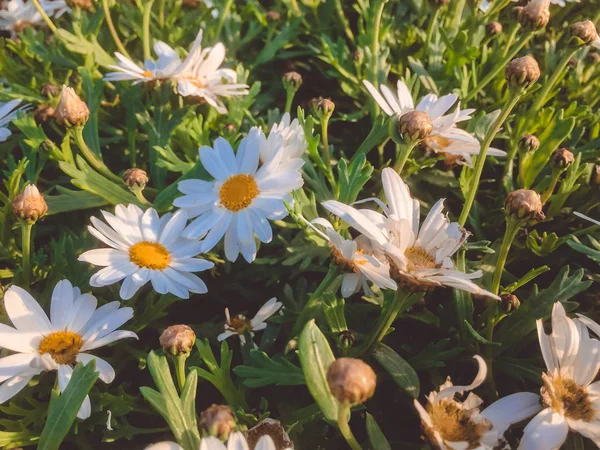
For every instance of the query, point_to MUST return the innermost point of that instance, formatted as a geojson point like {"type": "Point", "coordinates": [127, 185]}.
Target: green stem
{"type": "Point", "coordinates": [343, 413]}
{"type": "Point", "coordinates": [161, 13]}
{"type": "Point", "coordinates": [96, 163]}
{"type": "Point", "coordinates": [26, 251]}
{"type": "Point", "coordinates": [507, 179]}
{"type": "Point", "coordinates": [140, 196]}
{"type": "Point", "coordinates": [511, 38]}
{"type": "Point", "coordinates": [434, 20]}
{"type": "Point", "coordinates": [146, 28]}
{"type": "Point", "coordinates": [512, 228]}
{"type": "Point", "coordinates": [113, 30]}
{"type": "Point", "coordinates": [375, 52]}
{"type": "Point", "coordinates": [485, 145]}
{"type": "Point", "coordinates": [553, 183]}
{"type": "Point", "coordinates": [66, 148]}
{"type": "Point", "coordinates": [343, 20]}
{"type": "Point", "coordinates": [289, 98]}
{"type": "Point", "coordinates": [47, 19]}
{"type": "Point", "coordinates": [325, 137]}
{"type": "Point", "coordinates": [180, 369]}
{"type": "Point", "coordinates": [405, 151]}
{"type": "Point", "coordinates": [223, 17]}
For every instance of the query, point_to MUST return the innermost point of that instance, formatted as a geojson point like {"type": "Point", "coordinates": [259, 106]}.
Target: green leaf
{"type": "Point", "coordinates": [529, 276]}
{"type": "Point", "coordinates": [316, 357]}
{"type": "Point", "coordinates": [64, 408]}
{"type": "Point", "coordinates": [376, 136]}
{"type": "Point", "coordinates": [283, 37]}
{"type": "Point", "coordinates": [376, 437]}
{"type": "Point", "coordinates": [72, 201]}
{"type": "Point", "coordinates": [479, 338]}
{"type": "Point", "coordinates": [353, 177]}
{"type": "Point", "coordinates": [401, 372]}
{"type": "Point", "coordinates": [594, 255]}
{"type": "Point", "coordinates": [265, 371]}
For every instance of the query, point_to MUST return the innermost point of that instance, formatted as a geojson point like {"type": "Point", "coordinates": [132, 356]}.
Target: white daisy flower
{"type": "Point", "coordinates": [162, 69]}
{"type": "Point", "coordinates": [239, 325]}
{"type": "Point", "coordinates": [419, 257]}
{"type": "Point", "coordinates": [285, 137]}
{"type": "Point", "coordinates": [241, 198]}
{"type": "Point", "coordinates": [74, 328]}
{"type": "Point", "coordinates": [146, 248]}
{"type": "Point", "coordinates": [199, 76]}
{"type": "Point", "coordinates": [236, 441]}
{"type": "Point", "coordinates": [450, 424]}
{"type": "Point", "coordinates": [7, 114]}
{"type": "Point", "coordinates": [570, 395]}
{"type": "Point", "coordinates": [20, 14]}
{"type": "Point", "coordinates": [356, 258]}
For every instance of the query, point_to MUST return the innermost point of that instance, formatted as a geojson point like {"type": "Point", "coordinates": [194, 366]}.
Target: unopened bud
{"type": "Point", "coordinates": [535, 15]}
{"type": "Point", "coordinates": [322, 107]}
{"type": "Point", "coordinates": [346, 339]}
{"type": "Point", "coordinates": [273, 16]}
{"type": "Point", "coordinates": [49, 90]}
{"type": "Point", "coordinates": [357, 55]}
{"type": "Point", "coordinates": [524, 204]}
{"type": "Point", "coordinates": [494, 28]}
{"type": "Point", "coordinates": [561, 158]}
{"type": "Point", "coordinates": [71, 110]}
{"type": "Point", "coordinates": [229, 128]}
{"type": "Point", "coordinates": [351, 381]}
{"type": "Point", "coordinates": [509, 302]}
{"type": "Point", "coordinates": [218, 421]}
{"type": "Point", "coordinates": [529, 143]}
{"type": "Point", "coordinates": [135, 178]}
{"type": "Point", "coordinates": [43, 113]}
{"type": "Point", "coordinates": [177, 339]}
{"type": "Point", "coordinates": [522, 72]}
{"type": "Point", "coordinates": [415, 125]}
{"type": "Point", "coordinates": [292, 81]}
{"type": "Point", "coordinates": [583, 33]}
{"type": "Point", "coordinates": [30, 205]}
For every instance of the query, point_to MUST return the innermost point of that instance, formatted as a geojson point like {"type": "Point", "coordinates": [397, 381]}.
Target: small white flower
{"type": "Point", "coordinates": [243, 197]}
{"type": "Point", "coordinates": [450, 424]}
{"type": "Point", "coordinates": [199, 76]}
{"type": "Point", "coordinates": [146, 248]}
{"type": "Point", "coordinates": [239, 325]}
{"type": "Point", "coordinates": [355, 257]}
{"type": "Point", "coordinates": [236, 441]}
{"type": "Point", "coordinates": [19, 14]}
{"type": "Point", "coordinates": [419, 256]}
{"type": "Point", "coordinates": [285, 137]}
{"type": "Point", "coordinates": [74, 328]}
{"type": "Point", "coordinates": [7, 114]}
{"type": "Point", "coordinates": [570, 395]}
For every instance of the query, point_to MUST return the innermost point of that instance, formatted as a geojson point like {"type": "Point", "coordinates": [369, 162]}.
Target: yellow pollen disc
{"type": "Point", "coordinates": [419, 259]}
{"type": "Point", "coordinates": [63, 346]}
{"type": "Point", "coordinates": [454, 423]}
{"type": "Point", "coordinates": [147, 74]}
{"type": "Point", "coordinates": [150, 255]}
{"type": "Point", "coordinates": [238, 192]}
{"type": "Point", "coordinates": [436, 143]}
{"type": "Point", "coordinates": [240, 324]}
{"type": "Point", "coordinates": [568, 398]}
{"type": "Point", "coordinates": [199, 84]}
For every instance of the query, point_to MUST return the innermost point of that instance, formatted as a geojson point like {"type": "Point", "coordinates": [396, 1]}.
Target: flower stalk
{"type": "Point", "coordinates": [26, 248]}
{"type": "Point", "coordinates": [343, 414]}
{"type": "Point", "coordinates": [513, 226]}
{"type": "Point", "coordinates": [45, 16]}
{"type": "Point", "coordinates": [146, 28]}
{"type": "Point", "coordinates": [113, 30]}
{"type": "Point", "coordinates": [97, 163]}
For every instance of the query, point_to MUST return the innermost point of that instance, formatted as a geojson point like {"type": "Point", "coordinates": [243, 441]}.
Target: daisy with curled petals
{"type": "Point", "coordinates": [146, 247]}
{"type": "Point", "coordinates": [41, 344]}
{"type": "Point", "coordinates": [239, 325]}
{"type": "Point", "coordinates": [570, 396]}
{"type": "Point", "coordinates": [8, 111]}
{"type": "Point", "coordinates": [19, 14]}
{"type": "Point", "coordinates": [450, 424]}
{"type": "Point", "coordinates": [236, 441]}
{"type": "Point", "coordinates": [285, 137]}
{"type": "Point", "coordinates": [419, 256]}
{"type": "Point", "coordinates": [356, 258]}
{"type": "Point", "coordinates": [242, 198]}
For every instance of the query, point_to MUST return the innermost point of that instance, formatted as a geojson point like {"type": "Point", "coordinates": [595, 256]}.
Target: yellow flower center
{"type": "Point", "coordinates": [150, 255]}
{"type": "Point", "coordinates": [147, 74]}
{"type": "Point", "coordinates": [453, 423]}
{"type": "Point", "coordinates": [63, 346]}
{"type": "Point", "coordinates": [238, 191]}
{"type": "Point", "coordinates": [436, 143]}
{"type": "Point", "coordinates": [568, 398]}
{"type": "Point", "coordinates": [419, 259]}
{"type": "Point", "coordinates": [240, 324]}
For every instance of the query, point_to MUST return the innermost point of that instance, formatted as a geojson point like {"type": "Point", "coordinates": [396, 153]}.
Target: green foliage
{"type": "Point", "coordinates": [265, 371]}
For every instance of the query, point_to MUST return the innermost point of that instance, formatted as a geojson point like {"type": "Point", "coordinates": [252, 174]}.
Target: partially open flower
{"type": "Point", "coordinates": [522, 72]}
{"type": "Point", "coordinates": [524, 204]}
{"type": "Point", "coordinates": [178, 339]}
{"type": "Point", "coordinates": [351, 381]}
{"type": "Point", "coordinates": [218, 421]}
{"type": "Point", "coordinates": [494, 28]}
{"type": "Point", "coordinates": [585, 32]}
{"type": "Point", "coordinates": [529, 143]}
{"type": "Point", "coordinates": [562, 158]}
{"type": "Point", "coordinates": [30, 205]}
{"type": "Point", "coordinates": [71, 110]}
{"type": "Point", "coordinates": [535, 15]}
{"type": "Point", "coordinates": [415, 125]}
{"type": "Point", "coordinates": [135, 178]}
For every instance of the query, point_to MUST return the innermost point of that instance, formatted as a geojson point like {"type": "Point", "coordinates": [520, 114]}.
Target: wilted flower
{"type": "Point", "coordinates": [351, 381]}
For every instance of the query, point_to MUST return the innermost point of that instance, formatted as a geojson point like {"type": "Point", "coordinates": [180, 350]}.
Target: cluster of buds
{"type": "Point", "coordinates": [522, 73]}
{"type": "Point", "coordinates": [351, 381]}
{"type": "Point", "coordinates": [178, 340]}
{"type": "Point", "coordinates": [30, 206]}
{"type": "Point", "coordinates": [525, 205]}
{"type": "Point", "coordinates": [71, 110]}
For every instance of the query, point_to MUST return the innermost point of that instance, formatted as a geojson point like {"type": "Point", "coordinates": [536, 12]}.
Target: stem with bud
{"type": "Point", "coordinates": [180, 369]}
{"type": "Point", "coordinates": [403, 153]}
{"type": "Point", "coordinates": [98, 164]}
{"type": "Point", "coordinates": [113, 30]}
{"type": "Point", "coordinates": [343, 414]}
{"type": "Point", "coordinates": [548, 193]}
{"type": "Point", "coordinates": [26, 251]}
{"type": "Point", "coordinates": [512, 228]}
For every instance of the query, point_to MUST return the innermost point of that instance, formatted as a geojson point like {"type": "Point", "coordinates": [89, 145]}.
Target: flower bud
{"type": "Point", "coordinates": [71, 110]}
{"type": "Point", "coordinates": [522, 72]}
{"type": "Point", "coordinates": [292, 81]}
{"type": "Point", "coordinates": [351, 381]}
{"type": "Point", "coordinates": [535, 15]}
{"type": "Point", "coordinates": [509, 302]}
{"type": "Point", "coordinates": [43, 113]}
{"type": "Point", "coordinates": [135, 179]}
{"type": "Point", "coordinates": [229, 128]}
{"type": "Point", "coordinates": [529, 143]}
{"type": "Point", "coordinates": [177, 339]}
{"type": "Point", "coordinates": [524, 204]}
{"type": "Point", "coordinates": [273, 16]}
{"type": "Point", "coordinates": [322, 107]}
{"type": "Point", "coordinates": [345, 339]}
{"type": "Point", "coordinates": [415, 125]}
{"type": "Point", "coordinates": [584, 33]}
{"type": "Point", "coordinates": [494, 28]}
{"type": "Point", "coordinates": [357, 55]}
{"type": "Point", "coordinates": [218, 421]}
{"type": "Point", "coordinates": [561, 158]}
{"type": "Point", "coordinates": [30, 205]}
{"type": "Point", "coordinates": [49, 90]}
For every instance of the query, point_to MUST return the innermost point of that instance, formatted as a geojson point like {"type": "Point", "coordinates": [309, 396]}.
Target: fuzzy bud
{"type": "Point", "coordinates": [535, 15]}
{"type": "Point", "coordinates": [522, 72]}
{"type": "Point", "coordinates": [509, 302]}
{"type": "Point", "coordinates": [177, 339]}
{"type": "Point", "coordinates": [583, 33]}
{"type": "Point", "coordinates": [561, 158]}
{"type": "Point", "coordinates": [49, 90]}
{"type": "Point", "coordinates": [135, 178]}
{"type": "Point", "coordinates": [322, 107]}
{"type": "Point", "coordinates": [273, 16]}
{"type": "Point", "coordinates": [494, 28]}
{"type": "Point", "coordinates": [71, 110]}
{"type": "Point", "coordinates": [30, 205]}
{"type": "Point", "coordinates": [529, 143]}
{"type": "Point", "coordinates": [415, 125]}
{"type": "Point", "coordinates": [218, 421]}
{"type": "Point", "coordinates": [292, 81]}
{"type": "Point", "coordinates": [524, 204]}
{"type": "Point", "coordinates": [345, 339]}
{"type": "Point", "coordinates": [43, 113]}
{"type": "Point", "coordinates": [351, 381]}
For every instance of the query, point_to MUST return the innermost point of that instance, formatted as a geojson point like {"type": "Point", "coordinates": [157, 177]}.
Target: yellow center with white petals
{"type": "Point", "coordinates": [453, 423]}
{"type": "Point", "coordinates": [240, 324]}
{"type": "Point", "coordinates": [419, 259]}
{"type": "Point", "coordinates": [238, 192]}
{"type": "Point", "coordinates": [63, 346]}
{"type": "Point", "coordinates": [147, 74]}
{"type": "Point", "coordinates": [150, 255]}
{"type": "Point", "coordinates": [567, 398]}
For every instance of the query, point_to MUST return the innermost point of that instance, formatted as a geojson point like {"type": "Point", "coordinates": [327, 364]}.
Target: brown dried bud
{"type": "Point", "coordinates": [30, 205]}
{"type": "Point", "coordinates": [585, 32]}
{"type": "Point", "coordinates": [596, 175]}
{"type": "Point", "coordinates": [524, 204]}
{"type": "Point", "coordinates": [42, 113]}
{"type": "Point", "coordinates": [535, 15]}
{"type": "Point", "coordinates": [135, 178]}
{"type": "Point", "coordinates": [351, 381]}
{"type": "Point", "coordinates": [529, 143]}
{"type": "Point", "coordinates": [562, 158]}
{"type": "Point", "coordinates": [218, 421]}
{"type": "Point", "coordinates": [83, 4]}
{"type": "Point", "coordinates": [71, 110]}
{"type": "Point", "coordinates": [271, 428]}
{"type": "Point", "coordinates": [415, 125]}
{"type": "Point", "coordinates": [509, 302]}
{"type": "Point", "coordinates": [292, 80]}
{"type": "Point", "coordinates": [49, 90]}
{"type": "Point", "coordinates": [494, 28]}
{"type": "Point", "coordinates": [273, 16]}
{"type": "Point", "coordinates": [177, 339]}
{"type": "Point", "coordinates": [522, 72]}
